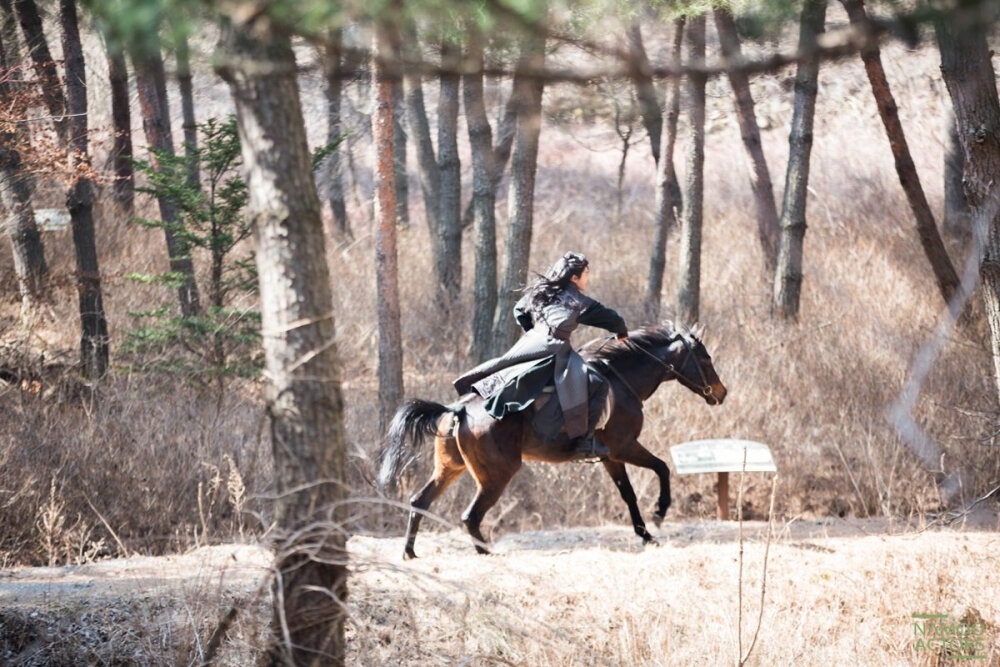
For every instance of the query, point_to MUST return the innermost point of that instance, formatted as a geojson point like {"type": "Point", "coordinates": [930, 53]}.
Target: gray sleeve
{"type": "Point", "coordinates": [522, 313]}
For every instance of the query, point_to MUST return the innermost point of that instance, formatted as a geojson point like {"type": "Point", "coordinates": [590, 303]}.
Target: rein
{"type": "Point", "coordinates": [704, 388]}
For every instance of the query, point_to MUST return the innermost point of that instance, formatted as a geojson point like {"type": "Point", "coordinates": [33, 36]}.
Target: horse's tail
{"type": "Point", "coordinates": [414, 421]}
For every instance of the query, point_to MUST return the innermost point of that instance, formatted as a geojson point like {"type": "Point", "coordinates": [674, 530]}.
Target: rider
{"type": "Point", "coordinates": [550, 310]}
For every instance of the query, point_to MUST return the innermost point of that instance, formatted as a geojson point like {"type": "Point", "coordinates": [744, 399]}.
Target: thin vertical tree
{"type": "Point", "coordinates": [926, 228]}
{"type": "Point", "coordinates": [506, 124]}
{"type": "Point", "coordinates": [689, 276]}
{"type": "Point", "coordinates": [760, 175]}
{"type": "Point", "coordinates": [957, 223]}
{"type": "Point", "coordinates": [151, 84]}
{"type": "Point", "coordinates": [80, 200]}
{"type": "Point", "coordinates": [390, 348]}
{"type": "Point", "coordinates": [788, 274]}
{"type": "Point", "coordinates": [185, 87]}
{"type": "Point", "coordinates": [303, 395]}
{"type": "Point", "coordinates": [335, 132]}
{"type": "Point", "coordinates": [967, 70]}
{"type": "Point", "coordinates": [420, 132]}
{"type": "Point", "coordinates": [645, 90]}
{"type": "Point", "coordinates": [483, 198]}
{"type": "Point", "coordinates": [399, 139]}
{"type": "Point", "coordinates": [520, 198]}
{"type": "Point", "coordinates": [121, 120]}
{"type": "Point", "coordinates": [448, 259]}
{"type": "Point", "coordinates": [44, 65]}
{"type": "Point", "coordinates": [16, 188]}
{"type": "Point", "coordinates": [667, 203]}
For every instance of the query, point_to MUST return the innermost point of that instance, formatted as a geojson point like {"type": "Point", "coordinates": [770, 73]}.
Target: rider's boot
{"type": "Point", "coordinates": [586, 448]}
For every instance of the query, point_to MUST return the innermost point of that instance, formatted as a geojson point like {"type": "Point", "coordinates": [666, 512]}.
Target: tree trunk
{"type": "Point", "coordinates": [79, 201]}
{"type": "Point", "coordinates": [420, 130]}
{"type": "Point", "coordinates": [390, 348]}
{"type": "Point", "coordinates": [335, 132]}
{"type": "Point", "coordinates": [401, 178]}
{"type": "Point", "coordinates": [151, 84]}
{"type": "Point", "coordinates": [303, 394]}
{"type": "Point", "coordinates": [121, 117]}
{"type": "Point", "coordinates": [184, 83]}
{"type": "Point", "coordinates": [957, 221]}
{"type": "Point", "coordinates": [645, 90]}
{"type": "Point", "coordinates": [44, 65]}
{"type": "Point", "coordinates": [15, 194]}
{"type": "Point", "coordinates": [501, 153]}
{"type": "Point", "coordinates": [666, 206]}
{"type": "Point", "coordinates": [520, 199]}
{"type": "Point", "coordinates": [968, 73]}
{"type": "Point", "coordinates": [944, 272]}
{"type": "Point", "coordinates": [449, 259]}
{"type": "Point", "coordinates": [760, 175]}
{"type": "Point", "coordinates": [689, 284]}
{"type": "Point", "coordinates": [483, 201]}
{"type": "Point", "coordinates": [788, 276]}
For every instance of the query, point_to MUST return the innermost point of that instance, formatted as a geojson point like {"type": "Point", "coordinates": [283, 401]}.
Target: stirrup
{"type": "Point", "coordinates": [589, 450]}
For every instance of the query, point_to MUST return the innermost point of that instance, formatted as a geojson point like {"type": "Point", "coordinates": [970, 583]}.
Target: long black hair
{"type": "Point", "coordinates": [546, 287]}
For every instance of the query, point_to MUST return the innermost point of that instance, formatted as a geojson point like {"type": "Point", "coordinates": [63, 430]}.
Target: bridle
{"type": "Point", "coordinates": [670, 371]}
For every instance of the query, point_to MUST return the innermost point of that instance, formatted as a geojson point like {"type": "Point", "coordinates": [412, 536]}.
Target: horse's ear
{"type": "Point", "coordinates": [698, 330]}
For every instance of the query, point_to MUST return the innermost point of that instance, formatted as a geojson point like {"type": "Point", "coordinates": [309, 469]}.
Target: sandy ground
{"type": "Point", "coordinates": [838, 592]}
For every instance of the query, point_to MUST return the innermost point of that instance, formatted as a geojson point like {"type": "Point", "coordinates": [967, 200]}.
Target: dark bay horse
{"type": "Point", "coordinates": [465, 437]}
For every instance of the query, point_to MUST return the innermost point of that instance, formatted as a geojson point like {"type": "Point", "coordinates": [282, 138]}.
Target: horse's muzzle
{"type": "Point", "coordinates": [715, 394]}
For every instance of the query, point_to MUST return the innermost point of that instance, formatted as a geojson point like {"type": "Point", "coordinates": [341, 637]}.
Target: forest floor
{"type": "Point", "coordinates": [838, 591]}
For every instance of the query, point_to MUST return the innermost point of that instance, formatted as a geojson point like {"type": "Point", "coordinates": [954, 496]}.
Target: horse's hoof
{"type": "Point", "coordinates": [409, 555]}
{"type": "Point", "coordinates": [651, 542]}
{"type": "Point", "coordinates": [657, 519]}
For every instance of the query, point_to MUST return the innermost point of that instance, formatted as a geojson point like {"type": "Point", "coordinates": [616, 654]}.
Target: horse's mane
{"type": "Point", "coordinates": [647, 337]}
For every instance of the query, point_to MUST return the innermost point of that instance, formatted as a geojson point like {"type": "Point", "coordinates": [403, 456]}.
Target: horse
{"type": "Point", "coordinates": [467, 438]}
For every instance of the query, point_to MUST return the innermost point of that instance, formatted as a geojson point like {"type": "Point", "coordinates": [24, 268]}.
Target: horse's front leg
{"type": "Point", "coordinates": [617, 472]}
{"type": "Point", "coordinates": [637, 455]}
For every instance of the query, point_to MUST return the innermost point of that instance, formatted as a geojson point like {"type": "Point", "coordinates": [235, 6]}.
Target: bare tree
{"type": "Point", "coordinates": [121, 119]}
{"type": "Point", "coordinates": [645, 90]}
{"type": "Point", "coordinates": [957, 222]}
{"type": "Point", "coordinates": [45, 66]}
{"type": "Point", "coordinates": [689, 279]}
{"type": "Point", "coordinates": [667, 202]}
{"type": "Point", "coordinates": [967, 70]}
{"type": "Point", "coordinates": [483, 199]}
{"type": "Point", "coordinates": [151, 84]}
{"type": "Point", "coordinates": [520, 199]}
{"type": "Point", "coordinates": [399, 154]}
{"type": "Point", "coordinates": [760, 175]}
{"type": "Point", "coordinates": [506, 124]}
{"type": "Point", "coordinates": [788, 276]}
{"type": "Point", "coordinates": [79, 201]}
{"type": "Point", "coordinates": [420, 131]}
{"type": "Point", "coordinates": [303, 390]}
{"type": "Point", "coordinates": [335, 132]}
{"type": "Point", "coordinates": [15, 191]}
{"type": "Point", "coordinates": [182, 53]}
{"type": "Point", "coordinates": [930, 239]}
{"type": "Point", "coordinates": [448, 259]}
{"type": "Point", "coordinates": [390, 347]}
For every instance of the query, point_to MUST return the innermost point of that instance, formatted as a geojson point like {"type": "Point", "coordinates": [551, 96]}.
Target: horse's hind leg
{"type": "Point", "coordinates": [444, 475]}
{"type": "Point", "coordinates": [621, 480]}
{"type": "Point", "coordinates": [487, 496]}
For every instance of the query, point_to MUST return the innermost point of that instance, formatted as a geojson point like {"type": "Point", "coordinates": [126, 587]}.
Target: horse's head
{"type": "Point", "coordinates": [693, 367]}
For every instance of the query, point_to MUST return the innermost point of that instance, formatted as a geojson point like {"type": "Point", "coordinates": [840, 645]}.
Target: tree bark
{"type": "Point", "coordinates": [121, 118]}
{"type": "Point", "coordinates": [967, 70]}
{"type": "Point", "coordinates": [689, 280]}
{"type": "Point", "coordinates": [79, 201]}
{"type": "Point", "coordinates": [760, 175]}
{"type": "Point", "coordinates": [401, 178]}
{"type": "Point", "coordinates": [390, 348]}
{"type": "Point", "coordinates": [788, 276]}
{"type": "Point", "coordinates": [520, 198]}
{"type": "Point", "coordinates": [420, 131]}
{"type": "Point", "coordinates": [645, 90]}
{"type": "Point", "coordinates": [44, 65]}
{"type": "Point", "coordinates": [303, 394]}
{"type": "Point", "coordinates": [483, 200]}
{"type": "Point", "coordinates": [151, 85]}
{"type": "Point", "coordinates": [190, 123]}
{"type": "Point", "coordinates": [501, 153]}
{"type": "Point", "coordinates": [15, 195]}
{"type": "Point", "coordinates": [335, 132]}
{"type": "Point", "coordinates": [667, 205]}
{"type": "Point", "coordinates": [449, 236]}
{"type": "Point", "coordinates": [957, 221]}
{"type": "Point", "coordinates": [944, 272]}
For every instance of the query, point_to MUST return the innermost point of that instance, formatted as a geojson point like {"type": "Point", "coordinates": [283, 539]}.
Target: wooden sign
{"type": "Point", "coordinates": [722, 457]}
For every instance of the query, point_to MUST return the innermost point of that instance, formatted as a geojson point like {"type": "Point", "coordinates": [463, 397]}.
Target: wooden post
{"type": "Point", "coordinates": [722, 511]}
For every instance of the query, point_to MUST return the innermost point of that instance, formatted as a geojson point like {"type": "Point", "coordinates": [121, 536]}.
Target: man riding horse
{"type": "Point", "coordinates": [550, 310]}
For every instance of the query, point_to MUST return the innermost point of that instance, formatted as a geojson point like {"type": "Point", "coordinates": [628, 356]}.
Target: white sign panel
{"type": "Point", "coordinates": [702, 456]}
{"type": "Point", "coordinates": [51, 219]}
